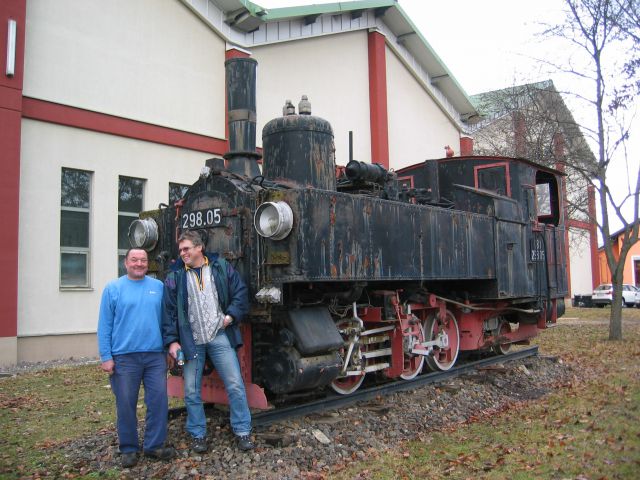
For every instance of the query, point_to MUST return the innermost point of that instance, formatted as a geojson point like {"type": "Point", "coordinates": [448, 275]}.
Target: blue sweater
{"type": "Point", "coordinates": [130, 317]}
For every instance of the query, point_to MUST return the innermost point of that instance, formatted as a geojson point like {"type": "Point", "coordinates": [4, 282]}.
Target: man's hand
{"type": "Point", "coordinates": [173, 350]}
{"type": "Point", "coordinates": [228, 320]}
{"type": "Point", "coordinates": [108, 366]}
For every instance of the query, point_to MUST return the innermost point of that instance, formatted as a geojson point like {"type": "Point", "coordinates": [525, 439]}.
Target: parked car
{"type": "Point", "coordinates": [603, 295]}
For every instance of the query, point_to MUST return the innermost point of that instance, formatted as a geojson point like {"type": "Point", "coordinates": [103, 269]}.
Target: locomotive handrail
{"type": "Point", "coordinates": [471, 307]}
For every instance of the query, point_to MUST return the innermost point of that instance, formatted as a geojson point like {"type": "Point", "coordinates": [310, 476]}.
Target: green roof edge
{"type": "Point", "coordinates": [320, 9]}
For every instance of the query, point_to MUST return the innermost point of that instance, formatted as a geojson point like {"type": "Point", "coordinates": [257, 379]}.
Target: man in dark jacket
{"type": "Point", "coordinates": [205, 299]}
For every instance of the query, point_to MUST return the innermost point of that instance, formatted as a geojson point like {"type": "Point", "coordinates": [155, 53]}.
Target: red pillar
{"type": "Point", "coordinates": [378, 99]}
{"type": "Point", "coordinates": [519, 134]}
{"type": "Point", "coordinates": [10, 131]}
{"type": "Point", "coordinates": [559, 154]}
{"type": "Point", "coordinates": [466, 146]}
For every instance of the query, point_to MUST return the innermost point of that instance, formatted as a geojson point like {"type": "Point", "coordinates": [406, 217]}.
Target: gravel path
{"type": "Point", "coordinates": [311, 447]}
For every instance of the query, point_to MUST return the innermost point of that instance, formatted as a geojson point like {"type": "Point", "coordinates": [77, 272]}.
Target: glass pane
{"type": "Point", "coordinates": [74, 229]}
{"type": "Point", "coordinates": [73, 270]}
{"type": "Point", "coordinates": [176, 192]}
{"type": "Point", "coordinates": [123, 231]}
{"type": "Point", "coordinates": [544, 199]}
{"type": "Point", "coordinates": [130, 194]}
{"type": "Point", "coordinates": [121, 270]}
{"type": "Point", "coordinates": [75, 188]}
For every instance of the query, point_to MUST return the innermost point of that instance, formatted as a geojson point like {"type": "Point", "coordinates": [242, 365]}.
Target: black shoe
{"type": "Point", "coordinates": [162, 453]}
{"type": "Point", "coordinates": [129, 459]}
{"type": "Point", "coordinates": [199, 445]}
{"type": "Point", "coordinates": [245, 443]}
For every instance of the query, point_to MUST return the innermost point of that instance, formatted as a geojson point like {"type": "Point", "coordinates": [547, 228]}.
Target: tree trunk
{"type": "Point", "coordinates": [615, 321]}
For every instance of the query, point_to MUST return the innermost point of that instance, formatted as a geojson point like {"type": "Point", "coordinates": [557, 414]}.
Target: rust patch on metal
{"type": "Point", "coordinates": [278, 258]}
{"type": "Point", "coordinates": [334, 271]}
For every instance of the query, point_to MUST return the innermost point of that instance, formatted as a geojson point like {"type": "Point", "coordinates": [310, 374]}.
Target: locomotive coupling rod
{"type": "Point", "coordinates": [352, 342]}
{"type": "Point", "coordinates": [441, 342]}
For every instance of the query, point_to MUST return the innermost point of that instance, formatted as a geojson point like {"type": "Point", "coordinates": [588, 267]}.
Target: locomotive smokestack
{"type": "Point", "coordinates": [241, 103]}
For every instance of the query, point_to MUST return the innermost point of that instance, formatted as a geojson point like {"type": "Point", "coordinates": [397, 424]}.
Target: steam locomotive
{"type": "Point", "coordinates": [358, 271]}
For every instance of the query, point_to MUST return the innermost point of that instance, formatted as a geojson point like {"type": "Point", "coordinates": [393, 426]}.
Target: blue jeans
{"type": "Point", "coordinates": [131, 369]}
{"type": "Point", "coordinates": [225, 361]}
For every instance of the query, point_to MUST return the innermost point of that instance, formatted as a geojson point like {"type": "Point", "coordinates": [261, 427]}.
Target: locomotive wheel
{"type": "Point", "coordinates": [349, 383]}
{"type": "Point", "coordinates": [443, 358]}
{"type": "Point", "coordinates": [502, 348]}
{"type": "Point", "coordinates": [413, 363]}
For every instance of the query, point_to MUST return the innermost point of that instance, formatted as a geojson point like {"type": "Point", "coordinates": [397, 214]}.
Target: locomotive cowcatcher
{"type": "Point", "coordinates": [357, 271]}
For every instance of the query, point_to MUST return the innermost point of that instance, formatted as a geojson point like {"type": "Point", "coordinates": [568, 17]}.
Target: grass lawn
{"type": "Point", "coordinates": [590, 430]}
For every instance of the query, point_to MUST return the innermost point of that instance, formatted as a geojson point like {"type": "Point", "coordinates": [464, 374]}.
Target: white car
{"type": "Point", "coordinates": [603, 295]}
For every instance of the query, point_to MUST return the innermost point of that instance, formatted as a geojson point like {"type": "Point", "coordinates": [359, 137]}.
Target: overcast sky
{"type": "Point", "coordinates": [493, 44]}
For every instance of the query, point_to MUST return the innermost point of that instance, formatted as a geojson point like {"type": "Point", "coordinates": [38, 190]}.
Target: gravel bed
{"type": "Point", "coordinates": [312, 446]}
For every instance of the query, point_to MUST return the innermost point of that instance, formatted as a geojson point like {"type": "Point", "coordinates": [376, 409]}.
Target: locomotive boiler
{"type": "Point", "coordinates": [358, 271]}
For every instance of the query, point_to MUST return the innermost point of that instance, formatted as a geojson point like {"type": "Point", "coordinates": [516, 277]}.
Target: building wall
{"type": "Point", "coordinates": [333, 72]}
{"type": "Point", "coordinates": [418, 130]}
{"type": "Point", "coordinates": [102, 78]}
{"type": "Point", "coordinates": [43, 307]}
{"type": "Point", "coordinates": [580, 262]}
{"type": "Point", "coordinates": [629, 274]}
{"type": "Point", "coordinates": [147, 60]}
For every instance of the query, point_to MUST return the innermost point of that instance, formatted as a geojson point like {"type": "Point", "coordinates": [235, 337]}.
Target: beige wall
{"type": "Point", "coordinates": [8, 351]}
{"type": "Point", "coordinates": [57, 347]}
{"type": "Point", "coordinates": [580, 262]}
{"type": "Point", "coordinates": [43, 308]}
{"type": "Point", "coordinates": [333, 72]}
{"type": "Point", "coordinates": [147, 60]}
{"type": "Point", "coordinates": [418, 129]}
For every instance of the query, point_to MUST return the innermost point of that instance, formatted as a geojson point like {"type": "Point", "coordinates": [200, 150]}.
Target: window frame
{"type": "Point", "coordinates": [75, 250]}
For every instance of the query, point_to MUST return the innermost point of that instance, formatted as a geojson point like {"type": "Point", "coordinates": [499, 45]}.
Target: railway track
{"type": "Point", "coordinates": [334, 401]}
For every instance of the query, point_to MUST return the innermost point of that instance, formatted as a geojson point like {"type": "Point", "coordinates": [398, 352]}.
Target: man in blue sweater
{"type": "Point", "coordinates": [131, 351]}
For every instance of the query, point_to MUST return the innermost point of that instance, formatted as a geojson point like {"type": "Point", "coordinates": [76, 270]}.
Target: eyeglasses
{"type": "Point", "coordinates": [185, 249]}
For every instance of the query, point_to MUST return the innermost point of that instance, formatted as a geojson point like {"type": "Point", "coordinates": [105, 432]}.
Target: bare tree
{"type": "Point", "coordinates": [605, 32]}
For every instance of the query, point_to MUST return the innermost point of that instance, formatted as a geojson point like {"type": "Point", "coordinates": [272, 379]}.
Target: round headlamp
{"type": "Point", "coordinates": [143, 233]}
{"type": "Point", "coordinates": [273, 220]}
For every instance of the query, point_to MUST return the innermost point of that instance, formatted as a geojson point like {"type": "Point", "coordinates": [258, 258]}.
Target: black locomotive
{"type": "Point", "coordinates": [355, 270]}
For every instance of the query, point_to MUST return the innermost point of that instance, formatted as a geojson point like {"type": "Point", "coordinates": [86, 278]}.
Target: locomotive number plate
{"type": "Point", "coordinates": [202, 218]}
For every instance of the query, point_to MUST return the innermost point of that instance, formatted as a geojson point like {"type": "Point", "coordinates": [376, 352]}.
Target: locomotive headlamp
{"type": "Point", "coordinates": [273, 220]}
{"type": "Point", "coordinates": [143, 233]}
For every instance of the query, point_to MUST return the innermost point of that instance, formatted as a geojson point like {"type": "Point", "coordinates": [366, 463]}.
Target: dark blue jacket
{"type": "Point", "coordinates": [232, 296]}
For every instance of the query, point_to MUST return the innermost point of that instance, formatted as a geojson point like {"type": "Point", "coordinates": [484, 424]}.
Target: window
{"type": "Point", "coordinates": [547, 198]}
{"type": "Point", "coordinates": [494, 178]}
{"type": "Point", "coordinates": [75, 207]}
{"type": "Point", "coordinates": [176, 192]}
{"type": "Point", "coordinates": [130, 192]}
